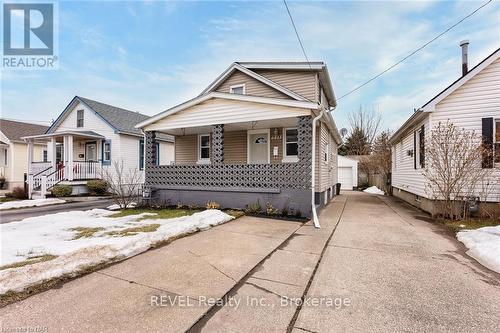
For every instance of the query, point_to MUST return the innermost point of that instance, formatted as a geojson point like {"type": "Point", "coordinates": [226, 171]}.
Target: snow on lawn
{"type": "Point", "coordinates": [483, 245]}
{"type": "Point", "coordinates": [374, 190]}
{"type": "Point", "coordinates": [53, 235]}
{"type": "Point", "coordinates": [30, 203]}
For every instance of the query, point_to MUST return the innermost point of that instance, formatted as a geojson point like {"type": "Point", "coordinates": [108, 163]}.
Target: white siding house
{"type": "Point", "coordinates": [87, 138]}
{"type": "Point", "coordinates": [473, 103]}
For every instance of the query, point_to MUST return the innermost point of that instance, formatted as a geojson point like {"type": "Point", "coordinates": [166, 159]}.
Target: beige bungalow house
{"type": "Point", "coordinates": [261, 133]}
{"type": "Point", "coordinates": [14, 151]}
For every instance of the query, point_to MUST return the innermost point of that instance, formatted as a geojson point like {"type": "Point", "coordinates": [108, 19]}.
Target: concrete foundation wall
{"type": "Point", "coordinates": [488, 209]}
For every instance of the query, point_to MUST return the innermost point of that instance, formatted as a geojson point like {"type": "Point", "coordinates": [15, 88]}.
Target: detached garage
{"type": "Point", "coordinates": [347, 173]}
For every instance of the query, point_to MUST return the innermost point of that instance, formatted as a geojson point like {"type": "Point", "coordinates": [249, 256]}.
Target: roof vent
{"type": "Point", "coordinates": [465, 55]}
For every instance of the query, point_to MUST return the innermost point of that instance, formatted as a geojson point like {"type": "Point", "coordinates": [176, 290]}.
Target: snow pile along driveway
{"type": "Point", "coordinates": [374, 190]}
{"type": "Point", "coordinates": [483, 245]}
{"type": "Point", "coordinates": [102, 239]}
{"type": "Point", "coordinates": [30, 203]}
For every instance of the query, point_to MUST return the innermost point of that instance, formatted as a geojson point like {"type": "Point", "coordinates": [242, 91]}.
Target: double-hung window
{"type": "Point", "coordinates": [204, 148]}
{"type": "Point", "coordinates": [291, 142]}
{"type": "Point", "coordinates": [106, 152]}
{"type": "Point", "coordinates": [79, 118]}
{"type": "Point", "coordinates": [45, 155]}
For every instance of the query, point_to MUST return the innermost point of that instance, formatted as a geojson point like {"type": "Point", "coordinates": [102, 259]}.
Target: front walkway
{"type": "Point", "coordinates": [396, 271]}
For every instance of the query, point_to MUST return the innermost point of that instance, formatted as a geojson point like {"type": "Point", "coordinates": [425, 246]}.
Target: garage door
{"type": "Point", "coordinates": [345, 178]}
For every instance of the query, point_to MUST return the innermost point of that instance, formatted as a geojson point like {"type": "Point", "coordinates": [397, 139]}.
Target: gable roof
{"type": "Point", "coordinates": [430, 106]}
{"type": "Point", "coordinates": [236, 66]}
{"type": "Point", "coordinates": [201, 98]}
{"type": "Point", "coordinates": [121, 120]}
{"type": "Point", "coordinates": [15, 130]}
{"type": "Point", "coordinates": [314, 66]}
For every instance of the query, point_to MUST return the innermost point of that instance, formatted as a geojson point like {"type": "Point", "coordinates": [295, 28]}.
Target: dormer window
{"type": "Point", "coordinates": [237, 89]}
{"type": "Point", "coordinates": [79, 118]}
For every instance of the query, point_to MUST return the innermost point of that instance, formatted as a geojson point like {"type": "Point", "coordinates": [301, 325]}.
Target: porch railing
{"type": "Point", "coordinates": [86, 170]}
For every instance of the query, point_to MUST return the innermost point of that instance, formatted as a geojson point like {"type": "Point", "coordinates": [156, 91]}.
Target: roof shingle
{"type": "Point", "coordinates": [15, 130]}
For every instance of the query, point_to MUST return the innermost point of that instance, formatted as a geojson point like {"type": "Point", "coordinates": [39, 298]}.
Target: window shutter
{"type": "Point", "coordinates": [421, 141]}
{"type": "Point", "coordinates": [414, 150]}
{"type": "Point", "coordinates": [487, 143]}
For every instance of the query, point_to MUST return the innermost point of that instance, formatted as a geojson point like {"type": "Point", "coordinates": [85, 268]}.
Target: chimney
{"type": "Point", "coordinates": [465, 54]}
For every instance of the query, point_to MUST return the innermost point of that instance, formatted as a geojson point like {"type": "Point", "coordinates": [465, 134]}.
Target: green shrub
{"type": "Point", "coordinates": [2, 182]}
{"type": "Point", "coordinates": [253, 208]}
{"type": "Point", "coordinates": [62, 190]}
{"type": "Point", "coordinates": [17, 193]}
{"type": "Point", "coordinates": [97, 187]}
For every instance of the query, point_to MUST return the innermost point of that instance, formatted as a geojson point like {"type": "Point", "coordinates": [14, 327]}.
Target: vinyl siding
{"type": "Point", "coordinates": [465, 107]}
{"type": "Point", "coordinates": [252, 86]}
{"type": "Point", "coordinates": [235, 147]}
{"type": "Point", "coordinates": [186, 149]}
{"type": "Point", "coordinates": [325, 172]}
{"type": "Point", "coordinates": [404, 174]}
{"type": "Point", "coordinates": [478, 98]}
{"type": "Point", "coordinates": [18, 161]}
{"type": "Point", "coordinates": [303, 83]}
{"type": "Point", "coordinates": [211, 112]}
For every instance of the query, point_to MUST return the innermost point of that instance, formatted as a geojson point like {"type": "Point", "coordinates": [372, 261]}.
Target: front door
{"type": "Point", "coordinates": [258, 152]}
{"type": "Point", "coordinates": [91, 151]}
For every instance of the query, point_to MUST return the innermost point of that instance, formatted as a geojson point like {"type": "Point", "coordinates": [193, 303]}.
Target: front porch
{"type": "Point", "coordinates": [236, 164]}
{"type": "Point", "coordinates": [70, 157]}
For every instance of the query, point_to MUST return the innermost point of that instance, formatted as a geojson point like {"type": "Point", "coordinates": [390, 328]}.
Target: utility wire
{"type": "Point", "coordinates": [412, 53]}
{"type": "Point", "coordinates": [297, 33]}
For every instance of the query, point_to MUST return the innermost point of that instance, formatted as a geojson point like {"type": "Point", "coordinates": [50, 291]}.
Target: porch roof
{"type": "Point", "coordinates": [81, 134]}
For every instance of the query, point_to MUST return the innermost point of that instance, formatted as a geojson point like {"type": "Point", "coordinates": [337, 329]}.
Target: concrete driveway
{"type": "Point", "coordinates": [392, 271]}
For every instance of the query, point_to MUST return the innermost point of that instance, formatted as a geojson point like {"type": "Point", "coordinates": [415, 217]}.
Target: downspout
{"type": "Point", "coordinates": [313, 164]}
{"type": "Point", "coordinates": [313, 169]}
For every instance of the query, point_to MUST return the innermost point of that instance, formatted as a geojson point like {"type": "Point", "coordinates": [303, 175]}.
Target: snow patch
{"type": "Point", "coordinates": [374, 190]}
{"type": "Point", "coordinates": [117, 207]}
{"type": "Point", "coordinates": [483, 245]}
{"type": "Point", "coordinates": [52, 234]}
{"type": "Point", "coordinates": [30, 203]}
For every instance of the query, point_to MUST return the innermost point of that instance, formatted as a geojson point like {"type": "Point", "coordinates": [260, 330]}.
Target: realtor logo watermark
{"type": "Point", "coordinates": [30, 36]}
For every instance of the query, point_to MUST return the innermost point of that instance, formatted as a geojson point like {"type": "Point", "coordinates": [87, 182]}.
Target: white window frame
{"type": "Point", "coordinates": [45, 152]}
{"type": "Point", "coordinates": [290, 158]}
{"type": "Point", "coordinates": [106, 143]}
{"type": "Point", "coordinates": [260, 131]}
{"type": "Point", "coordinates": [204, 160]}
{"type": "Point", "coordinates": [417, 148]}
{"type": "Point", "coordinates": [237, 86]}
{"type": "Point", "coordinates": [83, 118]}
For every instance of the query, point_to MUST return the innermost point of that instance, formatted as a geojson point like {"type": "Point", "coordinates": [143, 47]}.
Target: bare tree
{"type": "Point", "coordinates": [453, 166]}
{"type": "Point", "coordinates": [368, 121]}
{"type": "Point", "coordinates": [123, 182]}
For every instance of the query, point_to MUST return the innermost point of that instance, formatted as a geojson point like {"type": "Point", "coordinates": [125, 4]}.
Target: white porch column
{"type": "Point", "coordinates": [52, 151]}
{"type": "Point", "coordinates": [31, 148]}
{"type": "Point", "coordinates": [69, 168]}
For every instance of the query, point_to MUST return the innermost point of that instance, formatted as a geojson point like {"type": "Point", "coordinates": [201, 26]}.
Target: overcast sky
{"type": "Point", "coordinates": [147, 56]}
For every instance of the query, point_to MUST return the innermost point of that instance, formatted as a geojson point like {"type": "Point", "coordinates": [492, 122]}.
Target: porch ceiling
{"type": "Point", "coordinates": [242, 126]}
